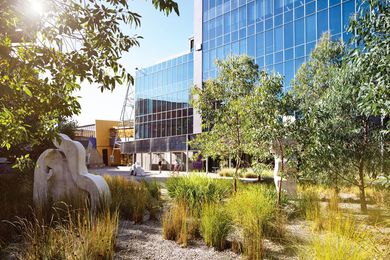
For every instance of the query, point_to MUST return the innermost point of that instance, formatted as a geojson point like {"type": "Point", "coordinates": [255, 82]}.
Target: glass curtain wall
{"type": "Point", "coordinates": [279, 34]}
{"type": "Point", "coordinates": [162, 94]}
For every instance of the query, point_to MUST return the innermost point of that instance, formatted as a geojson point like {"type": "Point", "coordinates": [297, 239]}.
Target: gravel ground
{"type": "Point", "coordinates": [146, 242]}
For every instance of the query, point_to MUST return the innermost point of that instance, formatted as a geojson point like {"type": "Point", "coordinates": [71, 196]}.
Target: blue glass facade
{"type": "Point", "coordinates": [279, 34]}
{"type": "Point", "coordinates": [162, 94]}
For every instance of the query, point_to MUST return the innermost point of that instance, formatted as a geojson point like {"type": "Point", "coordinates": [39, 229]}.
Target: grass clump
{"type": "Point", "coordinates": [154, 199]}
{"type": "Point", "coordinates": [196, 190]}
{"type": "Point", "coordinates": [344, 239]}
{"type": "Point", "coordinates": [332, 246]}
{"type": "Point", "coordinates": [174, 222]}
{"type": "Point", "coordinates": [242, 173]}
{"type": "Point", "coordinates": [252, 210]}
{"type": "Point", "coordinates": [182, 221]}
{"type": "Point", "coordinates": [129, 197]}
{"type": "Point", "coordinates": [309, 203]}
{"type": "Point", "coordinates": [78, 236]}
{"type": "Point", "coordinates": [216, 224]}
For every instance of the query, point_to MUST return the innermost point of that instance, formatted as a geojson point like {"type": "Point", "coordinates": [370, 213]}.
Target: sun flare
{"type": "Point", "coordinates": [37, 6]}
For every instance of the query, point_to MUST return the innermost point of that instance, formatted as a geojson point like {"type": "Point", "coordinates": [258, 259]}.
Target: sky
{"type": "Point", "coordinates": [163, 37]}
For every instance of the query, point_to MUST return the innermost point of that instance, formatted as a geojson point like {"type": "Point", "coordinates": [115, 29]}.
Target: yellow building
{"type": "Point", "coordinates": [104, 134]}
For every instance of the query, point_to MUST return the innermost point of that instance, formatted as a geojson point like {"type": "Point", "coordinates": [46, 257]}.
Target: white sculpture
{"type": "Point", "coordinates": [61, 173]}
{"type": "Point", "coordinates": [289, 183]}
{"type": "Point", "coordinates": [136, 169]}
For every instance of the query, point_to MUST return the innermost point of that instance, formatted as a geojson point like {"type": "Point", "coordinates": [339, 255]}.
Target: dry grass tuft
{"type": "Point", "coordinates": [129, 197]}
{"type": "Point", "coordinates": [174, 223]}
{"type": "Point", "coordinates": [78, 236]}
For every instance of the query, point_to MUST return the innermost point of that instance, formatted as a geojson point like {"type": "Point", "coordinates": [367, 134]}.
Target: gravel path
{"type": "Point", "coordinates": [146, 242]}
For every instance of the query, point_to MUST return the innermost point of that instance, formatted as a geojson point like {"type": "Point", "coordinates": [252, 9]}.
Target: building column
{"type": "Point", "coordinates": [170, 161]}
{"type": "Point", "coordinates": [187, 153]}
{"type": "Point", "coordinates": [151, 161]}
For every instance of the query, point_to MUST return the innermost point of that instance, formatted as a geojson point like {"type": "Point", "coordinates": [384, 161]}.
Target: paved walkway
{"type": "Point", "coordinates": [125, 171]}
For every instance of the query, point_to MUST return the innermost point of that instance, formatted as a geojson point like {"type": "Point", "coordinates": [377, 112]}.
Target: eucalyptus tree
{"type": "Point", "coordinates": [47, 49]}
{"type": "Point", "coordinates": [371, 34]}
{"type": "Point", "coordinates": [340, 142]}
{"type": "Point", "coordinates": [270, 112]}
{"type": "Point", "coordinates": [310, 85]}
{"type": "Point", "coordinates": [221, 103]}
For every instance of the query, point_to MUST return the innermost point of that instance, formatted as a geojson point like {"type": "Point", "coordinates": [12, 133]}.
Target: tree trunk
{"type": "Point", "coordinates": [236, 174]}
{"type": "Point", "coordinates": [281, 173]}
{"type": "Point", "coordinates": [363, 203]}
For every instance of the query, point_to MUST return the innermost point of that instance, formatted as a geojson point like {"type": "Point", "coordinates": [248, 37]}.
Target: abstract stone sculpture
{"type": "Point", "coordinates": [62, 174]}
{"type": "Point", "coordinates": [289, 184]}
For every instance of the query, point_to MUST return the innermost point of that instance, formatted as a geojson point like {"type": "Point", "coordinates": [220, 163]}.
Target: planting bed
{"type": "Point", "coordinates": [145, 241]}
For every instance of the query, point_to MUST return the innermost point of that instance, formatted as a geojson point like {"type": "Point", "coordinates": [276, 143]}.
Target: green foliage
{"type": "Point", "coordinates": [268, 108]}
{"type": "Point", "coordinates": [45, 57]}
{"type": "Point", "coordinates": [221, 103]}
{"type": "Point", "coordinates": [216, 225]}
{"type": "Point", "coordinates": [340, 142]}
{"type": "Point", "coordinates": [371, 58]}
{"type": "Point", "coordinates": [197, 190]}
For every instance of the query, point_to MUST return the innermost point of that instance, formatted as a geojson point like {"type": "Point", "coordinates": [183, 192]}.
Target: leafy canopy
{"type": "Point", "coordinates": [44, 57]}
{"type": "Point", "coordinates": [221, 102]}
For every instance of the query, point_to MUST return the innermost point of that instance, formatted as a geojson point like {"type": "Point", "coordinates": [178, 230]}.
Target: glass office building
{"type": "Point", "coordinates": [279, 34]}
{"type": "Point", "coordinates": [162, 96]}
{"type": "Point", "coordinates": [163, 114]}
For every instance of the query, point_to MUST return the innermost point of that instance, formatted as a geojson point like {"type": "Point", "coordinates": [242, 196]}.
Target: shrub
{"type": "Point", "coordinates": [197, 190]}
{"type": "Point", "coordinates": [253, 209]}
{"type": "Point", "coordinates": [78, 236]}
{"type": "Point", "coordinates": [129, 197]}
{"type": "Point", "coordinates": [175, 223]}
{"type": "Point", "coordinates": [216, 224]}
